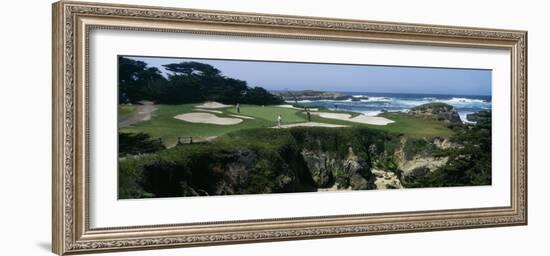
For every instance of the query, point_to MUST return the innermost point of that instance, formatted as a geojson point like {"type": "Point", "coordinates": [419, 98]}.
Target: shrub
{"type": "Point", "coordinates": [137, 143]}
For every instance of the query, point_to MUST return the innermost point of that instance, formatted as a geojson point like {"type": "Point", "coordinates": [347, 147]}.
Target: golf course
{"type": "Point", "coordinates": [219, 119]}
{"type": "Point", "coordinates": [210, 128]}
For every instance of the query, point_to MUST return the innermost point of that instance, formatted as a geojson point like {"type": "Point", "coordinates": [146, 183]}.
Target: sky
{"type": "Point", "coordinates": [345, 78]}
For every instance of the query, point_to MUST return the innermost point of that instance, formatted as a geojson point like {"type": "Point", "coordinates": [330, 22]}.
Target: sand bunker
{"type": "Point", "coordinates": [212, 104]}
{"type": "Point", "coordinates": [286, 106]}
{"type": "Point", "coordinates": [339, 116]}
{"type": "Point", "coordinates": [375, 120]}
{"type": "Point", "coordinates": [207, 118]}
{"type": "Point", "coordinates": [293, 107]}
{"type": "Point", "coordinates": [243, 117]}
{"type": "Point", "coordinates": [208, 110]}
{"type": "Point", "coordinates": [311, 124]}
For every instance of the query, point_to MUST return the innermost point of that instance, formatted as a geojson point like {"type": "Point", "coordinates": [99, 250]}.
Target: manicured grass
{"type": "Point", "coordinates": [269, 113]}
{"type": "Point", "coordinates": [163, 124]}
{"type": "Point", "coordinates": [414, 126]}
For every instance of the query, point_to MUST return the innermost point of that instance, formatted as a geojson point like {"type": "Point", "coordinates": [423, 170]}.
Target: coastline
{"type": "Point", "coordinates": [374, 104]}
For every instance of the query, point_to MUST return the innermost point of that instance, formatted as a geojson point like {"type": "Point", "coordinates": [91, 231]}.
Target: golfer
{"type": "Point", "coordinates": [279, 121]}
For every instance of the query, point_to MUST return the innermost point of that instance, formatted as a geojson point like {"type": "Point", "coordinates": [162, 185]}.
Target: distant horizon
{"type": "Point", "coordinates": [300, 76]}
{"type": "Point", "coordinates": [366, 92]}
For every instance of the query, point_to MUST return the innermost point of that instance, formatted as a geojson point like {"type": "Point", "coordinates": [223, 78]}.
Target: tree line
{"type": "Point", "coordinates": [187, 82]}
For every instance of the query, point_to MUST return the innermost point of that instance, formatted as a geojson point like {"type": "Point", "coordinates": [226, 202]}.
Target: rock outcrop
{"type": "Point", "coordinates": [311, 160]}
{"type": "Point", "coordinates": [443, 143]}
{"type": "Point", "coordinates": [386, 179]}
{"type": "Point", "coordinates": [321, 167]}
{"type": "Point", "coordinates": [420, 166]}
{"type": "Point", "coordinates": [483, 115]}
{"type": "Point", "coordinates": [438, 111]}
{"type": "Point", "coordinates": [422, 161]}
{"type": "Point", "coordinates": [326, 170]}
{"type": "Point", "coordinates": [312, 95]}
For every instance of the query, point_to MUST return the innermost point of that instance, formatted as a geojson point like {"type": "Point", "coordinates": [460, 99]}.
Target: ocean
{"type": "Point", "coordinates": [401, 102]}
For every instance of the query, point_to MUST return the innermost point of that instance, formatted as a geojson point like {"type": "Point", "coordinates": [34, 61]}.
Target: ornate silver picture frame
{"type": "Point", "coordinates": [74, 21]}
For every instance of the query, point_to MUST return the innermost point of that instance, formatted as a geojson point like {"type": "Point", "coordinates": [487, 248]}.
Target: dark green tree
{"type": "Point", "coordinates": [137, 143]}
{"type": "Point", "coordinates": [138, 82]}
{"type": "Point", "coordinates": [191, 68]}
{"type": "Point", "coordinates": [188, 82]}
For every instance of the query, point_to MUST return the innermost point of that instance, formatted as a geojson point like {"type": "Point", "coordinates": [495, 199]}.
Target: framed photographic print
{"type": "Point", "coordinates": [179, 127]}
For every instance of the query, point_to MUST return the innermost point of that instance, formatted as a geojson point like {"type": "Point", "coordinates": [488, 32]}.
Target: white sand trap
{"type": "Point", "coordinates": [212, 104]}
{"type": "Point", "coordinates": [363, 119]}
{"type": "Point", "coordinates": [375, 120]}
{"type": "Point", "coordinates": [286, 106]}
{"type": "Point", "coordinates": [207, 118]}
{"type": "Point", "coordinates": [311, 124]}
{"type": "Point", "coordinates": [339, 116]}
{"type": "Point", "coordinates": [243, 117]}
{"type": "Point", "coordinates": [208, 110]}
{"type": "Point", "coordinates": [293, 107]}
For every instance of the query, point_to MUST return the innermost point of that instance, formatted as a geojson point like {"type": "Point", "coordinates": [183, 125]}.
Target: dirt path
{"type": "Point", "coordinates": [143, 113]}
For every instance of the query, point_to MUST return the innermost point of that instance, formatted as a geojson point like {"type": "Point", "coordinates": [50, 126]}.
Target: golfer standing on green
{"type": "Point", "coordinates": [279, 121]}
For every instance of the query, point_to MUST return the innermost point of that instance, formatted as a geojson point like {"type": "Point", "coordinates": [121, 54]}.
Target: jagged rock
{"type": "Point", "coordinates": [320, 166]}
{"type": "Point", "coordinates": [386, 180]}
{"type": "Point", "coordinates": [187, 190]}
{"type": "Point", "coordinates": [358, 182]}
{"type": "Point", "coordinates": [483, 115]}
{"type": "Point", "coordinates": [283, 180]}
{"type": "Point", "coordinates": [237, 172]}
{"type": "Point", "coordinates": [428, 162]}
{"type": "Point", "coordinates": [420, 160]}
{"type": "Point", "coordinates": [416, 173]}
{"type": "Point", "coordinates": [443, 143]}
{"type": "Point", "coordinates": [354, 169]}
{"type": "Point", "coordinates": [326, 169]}
{"type": "Point", "coordinates": [352, 164]}
{"type": "Point", "coordinates": [437, 111]}
{"type": "Point", "coordinates": [223, 188]}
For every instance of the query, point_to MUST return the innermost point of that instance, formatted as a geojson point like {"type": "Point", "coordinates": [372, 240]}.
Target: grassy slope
{"type": "Point", "coordinates": [164, 125]}
{"type": "Point", "coordinates": [124, 111]}
{"type": "Point", "coordinates": [414, 127]}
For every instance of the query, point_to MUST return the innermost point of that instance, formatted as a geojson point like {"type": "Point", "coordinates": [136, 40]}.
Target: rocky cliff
{"type": "Point", "coordinates": [327, 170]}
{"type": "Point", "coordinates": [483, 115]}
{"type": "Point", "coordinates": [438, 111]}
{"type": "Point", "coordinates": [300, 160]}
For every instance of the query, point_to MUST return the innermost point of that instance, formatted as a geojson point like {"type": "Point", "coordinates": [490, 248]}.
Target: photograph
{"type": "Point", "coordinates": [202, 125]}
{"type": "Point", "coordinates": [211, 127]}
